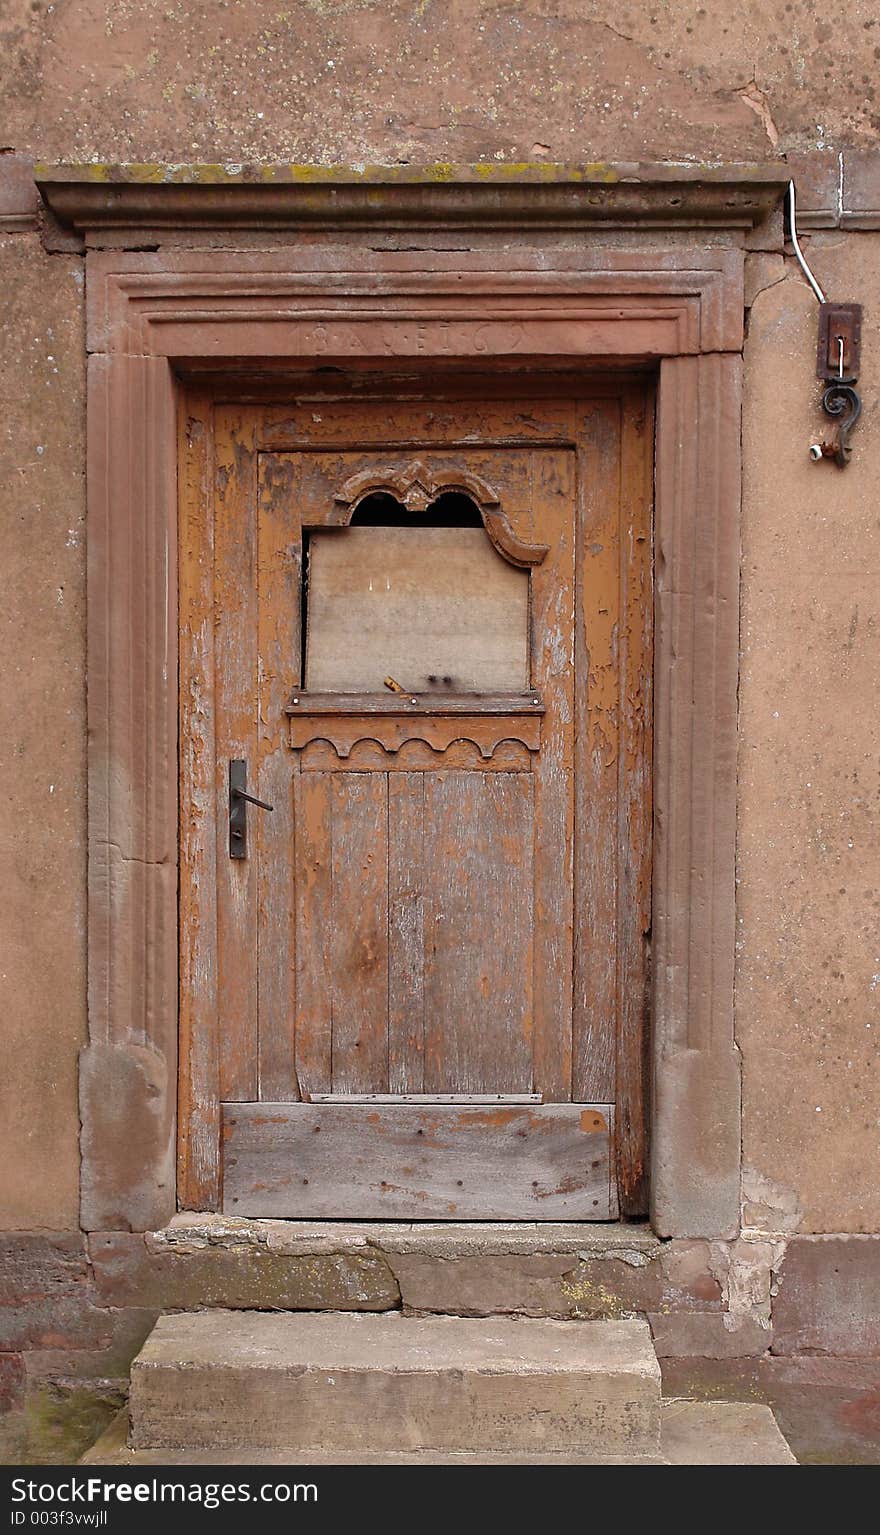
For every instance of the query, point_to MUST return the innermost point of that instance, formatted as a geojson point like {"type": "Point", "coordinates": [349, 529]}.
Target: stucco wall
{"type": "Point", "coordinates": [808, 991]}
{"type": "Point", "coordinates": [388, 80]}
{"type": "Point", "coordinates": [347, 82]}
{"type": "Point", "coordinates": [42, 731]}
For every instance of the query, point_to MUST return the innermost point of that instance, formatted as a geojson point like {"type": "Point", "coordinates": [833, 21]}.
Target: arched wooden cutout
{"type": "Point", "coordinates": [417, 488]}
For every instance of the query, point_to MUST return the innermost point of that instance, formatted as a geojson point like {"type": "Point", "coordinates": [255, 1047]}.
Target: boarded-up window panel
{"type": "Point", "coordinates": [434, 608]}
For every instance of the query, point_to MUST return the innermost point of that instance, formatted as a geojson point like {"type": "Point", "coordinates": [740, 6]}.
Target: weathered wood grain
{"type": "Point", "coordinates": [636, 808]}
{"type": "Point", "coordinates": [357, 936]}
{"type": "Point", "coordinates": [199, 1066]}
{"type": "Point", "coordinates": [597, 662]}
{"type": "Point", "coordinates": [554, 676]}
{"type": "Point", "coordinates": [374, 1161]}
{"type": "Point", "coordinates": [507, 419]}
{"type": "Point", "coordinates": [434, 705]}
{"type": "Point", "coordinates": [425, 1098]}
{"type": "Point", "coordinates": [478, 924]}
{"type": "Point", "coordinates": [279, 578]}
{"type": "Point", "coordinates": [432, 607]}
{"type": "Point", "coordinates": [406, 932]}
{"type": "Point", "coordinates": [236, 618]}
{"type": "Point", "coordinates": [313, 908]}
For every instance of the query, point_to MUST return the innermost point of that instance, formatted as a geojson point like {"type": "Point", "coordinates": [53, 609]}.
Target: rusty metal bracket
{"type": "Point", "coordinates": [841, 400]}
{"type": "Point", "coordinates": [838, 360]}
{"type": "Point", "coordinates": [838, 356]}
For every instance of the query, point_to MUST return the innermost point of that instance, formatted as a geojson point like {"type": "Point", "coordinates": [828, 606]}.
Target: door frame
{"type": "Point", "coordinates": [250, 453]}
{"type": "Point", "coordinates": [527, 298]}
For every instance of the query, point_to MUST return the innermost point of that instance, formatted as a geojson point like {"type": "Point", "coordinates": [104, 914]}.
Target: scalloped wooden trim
{"type": "Point", "coordinates": [416, 756]}
{"type": "Point", "coordinates": [344, 733]}
{"type": "Point", "coordinates": [417, 487]}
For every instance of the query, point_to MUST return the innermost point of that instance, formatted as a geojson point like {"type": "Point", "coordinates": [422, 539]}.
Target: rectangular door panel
{"type": "Point", "coordinates": [477, 858]}
{"type": "Point", "coordinates": [414, 931]}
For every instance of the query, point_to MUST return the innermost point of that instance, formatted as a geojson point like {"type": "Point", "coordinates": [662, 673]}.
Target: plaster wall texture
{"type": "Point", "coordinates": [460, 80]}
{"type": "Point", "coordinates": [808, 978]}
{"type": "Point", "coordinates": [426, 80]}
{"type": "Point", "coordinates": [42, 731]}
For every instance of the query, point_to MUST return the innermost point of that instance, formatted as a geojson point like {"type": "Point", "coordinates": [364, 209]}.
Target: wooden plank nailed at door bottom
{"type": "Point", "coordinates": [425, 1098]}
{"type": "Point", "coordinates": [409, 1161]}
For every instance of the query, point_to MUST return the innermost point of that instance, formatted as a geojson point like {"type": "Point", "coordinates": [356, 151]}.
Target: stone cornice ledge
{"type": "Point", "coordinates": [491, 195]}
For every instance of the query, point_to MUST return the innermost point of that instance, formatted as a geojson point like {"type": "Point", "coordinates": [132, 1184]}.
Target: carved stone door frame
{"type": "Point", "coordinates": [327, 291]}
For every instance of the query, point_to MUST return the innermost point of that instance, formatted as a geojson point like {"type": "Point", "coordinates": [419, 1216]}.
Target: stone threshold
{"type": "Point", "coordinates": [192, 1232]}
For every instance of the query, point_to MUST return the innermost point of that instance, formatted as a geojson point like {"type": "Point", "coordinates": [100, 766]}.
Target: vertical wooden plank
{"type": "Point", "coordinates": [235, 614]}
{"type": "Point", "coordinates": [279, 581]}
{"type": "Point", "coordinates": [553, 601]}
{"type": "Point", "coordinates": [358, 934]}
{"type": "Point", "coordinates": [479, 836]}
{"type": "Point", "coordinates": [406, 932]}
{"type": "Point", "coordinates": [313, 916]}
{"type": "Point", "coordinates": [597, 662]}
{"type": "Point", "coordinates": [636, 808]}
{"type": "Point", "coordinates": [199, 1079]}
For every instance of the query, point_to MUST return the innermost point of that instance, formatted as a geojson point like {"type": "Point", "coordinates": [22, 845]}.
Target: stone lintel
{"type": "Point", "coordinates": [492, 195]}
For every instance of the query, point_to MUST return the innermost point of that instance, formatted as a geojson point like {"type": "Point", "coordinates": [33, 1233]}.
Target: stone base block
{"type": "Point", "coordinates": [366, 1383]}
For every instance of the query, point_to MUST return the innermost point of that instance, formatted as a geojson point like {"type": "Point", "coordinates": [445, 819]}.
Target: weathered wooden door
{"type": "Point", "coordinates": [420, 632]}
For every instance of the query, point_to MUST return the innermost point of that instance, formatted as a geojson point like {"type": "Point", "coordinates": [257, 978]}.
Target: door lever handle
{"type": "Point", "coordinates": [239, 799]}
{"type": "Point", "coordinates": [251, 799]}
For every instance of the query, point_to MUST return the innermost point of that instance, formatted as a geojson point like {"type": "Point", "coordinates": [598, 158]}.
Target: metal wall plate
{"type": "Point", "coordinates": [839, 352]}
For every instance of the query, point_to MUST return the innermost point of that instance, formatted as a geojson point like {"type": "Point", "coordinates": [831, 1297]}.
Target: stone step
{"type": "Point", "coordinates": [369, 1384]}
{"type": "Point", "coordinates": [691, 1434]}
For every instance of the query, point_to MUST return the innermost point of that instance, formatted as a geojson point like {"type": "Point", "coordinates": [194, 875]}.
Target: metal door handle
{"type": "Point", "coordinates": [251, 798]}
{"type": "Point", "coordinates": [239, 799]}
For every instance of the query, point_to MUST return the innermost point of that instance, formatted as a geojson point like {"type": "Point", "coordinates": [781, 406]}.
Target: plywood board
{"type": "Point", "coordinates": [434, 608]}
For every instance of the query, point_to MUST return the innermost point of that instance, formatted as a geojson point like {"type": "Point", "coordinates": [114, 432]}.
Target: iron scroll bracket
{"type": "Point", "coordinates": [838, 361]}
{"type": "Point", "coordinates": [843, 403]}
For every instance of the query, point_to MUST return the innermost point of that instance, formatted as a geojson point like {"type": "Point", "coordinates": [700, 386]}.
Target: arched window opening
{"type": "Point", "coordinates": [451, 509]}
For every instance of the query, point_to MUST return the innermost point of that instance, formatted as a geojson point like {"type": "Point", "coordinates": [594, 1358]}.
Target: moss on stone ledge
{"type": "Point", "coordinates": [59, 1422]}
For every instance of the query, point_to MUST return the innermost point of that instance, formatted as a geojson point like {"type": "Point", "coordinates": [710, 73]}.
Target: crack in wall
{"type": "Point", "coordinates": [758, 102]}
